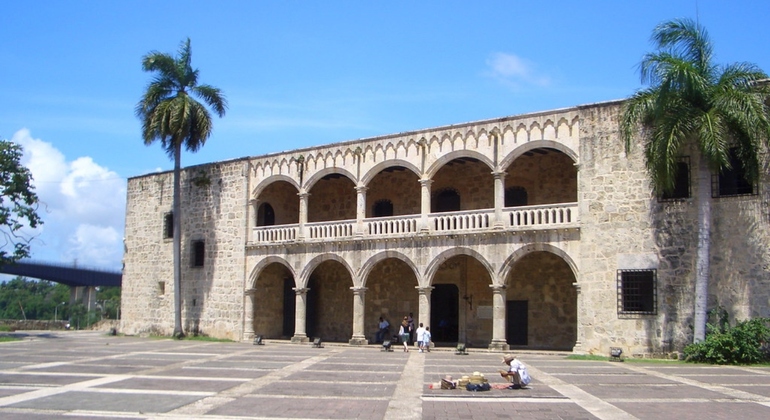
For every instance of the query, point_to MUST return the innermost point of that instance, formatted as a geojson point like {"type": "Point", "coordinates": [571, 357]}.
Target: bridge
{"type": "Point", "coordinates": [82, 281]}
{"type": "Point", "coordinates": [65, 274]}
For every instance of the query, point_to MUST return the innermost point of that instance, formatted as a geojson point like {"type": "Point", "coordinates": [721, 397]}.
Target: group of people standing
{"type": "Point", "coordinates": [422, 334]}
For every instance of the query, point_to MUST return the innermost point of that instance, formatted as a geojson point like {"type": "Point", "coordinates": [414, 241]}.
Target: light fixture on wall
{"type": "Point", "coordinates": [469, 300]}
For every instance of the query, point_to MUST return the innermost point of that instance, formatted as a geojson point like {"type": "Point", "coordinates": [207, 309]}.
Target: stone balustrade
{"type": "Point", "coordinates": [515, 218]}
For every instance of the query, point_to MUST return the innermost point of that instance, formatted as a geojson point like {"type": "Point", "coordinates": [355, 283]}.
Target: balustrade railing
{"type": "Point", "coordinates": [398, 225]}
{"type": "Point", "coordinates": [514, 218]}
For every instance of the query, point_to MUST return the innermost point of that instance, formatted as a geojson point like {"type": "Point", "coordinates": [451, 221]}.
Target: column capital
{"type": "Point", "coordinates": [424, 289]}
{"type": "Point", "coordinates": [426, 182]}
{"type": "Point", "coordinates": [250, 292]}
{"type": "Point", "coordinates": [253, 201]}
{"type": "Point", "coordinates": [303, 194]}
{"type": "Point", "coordinates": [358, 290]}
{"type": "Point", "coordinates": [300, 290]}
{"type": "Point", "coordinates": [498, 288]}
{"type": "Point", "coordinates": [361, 189]}
{"type": "Point", "coordinates": [499, 174]}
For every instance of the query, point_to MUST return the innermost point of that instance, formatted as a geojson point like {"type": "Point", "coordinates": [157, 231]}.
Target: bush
{"type": "Point", "coordinates": [745, 343]}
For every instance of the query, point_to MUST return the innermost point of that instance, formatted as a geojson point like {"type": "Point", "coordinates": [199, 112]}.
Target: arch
{"type": "Point", "coordinates": [434, 265]}
{"type": "Point", "coordinates": [263, 263]}
{"type": "Point", "coordinates": [443, 160]}
{"type": "Point", "coordinates": [376, 169]}
{"type": "Point", "coordinates": [536, 144]}
{"type": "Point", "coordinates": [257, 190]}
{"type": "Point", "coordinates": [326, 171]}
{"type": "Point", "coordinates": [507, 265]}
{"type": "Point", "coordinates": [363, 273]}
{"type": "Point", "coordinates": [265, 215]}
{"type": "Point", "coordinates": [315, 262]}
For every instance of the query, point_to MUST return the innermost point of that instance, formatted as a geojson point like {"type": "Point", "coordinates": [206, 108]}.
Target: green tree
{"type": "Point", "coordinates": [690, 99]}
{"type": "Point", "coordinates": [18, 204]}
{"type": "Point", "coordinates": [170, 114]}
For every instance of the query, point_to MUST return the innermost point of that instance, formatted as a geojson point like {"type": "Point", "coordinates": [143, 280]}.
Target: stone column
{"type": "Point", "coordinates": [579, 341]}
{"type": "Point", "coordinates": [425, 204]}
{"type": "Point", "coordinates": [359, 337]}
{"type": "Point", "coordinates": [499, 177]}
{"type": "Point", "coordinates": [252, 219]}
{"type": "Point", "coordinates": [498, 318]}
{"type": "Point", "coordinates": [303, 197]}
{"type": "Point", "coordinates": [248, 309]}
{"type": "Point", "coordinates": [424, 304]}
{"type": "Point", "coordinates": [300, 315]}
{"type": "Point", "coordinates": [360, 210]}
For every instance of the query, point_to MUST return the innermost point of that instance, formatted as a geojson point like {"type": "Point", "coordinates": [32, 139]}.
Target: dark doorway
{"type": "Point", "coordinates": [515, 197]}
{"type": "Point", "coordinates": [444, 314]}
{"type": "Point", "coordinates": [382, 208]}
{"type": "Point", "coordinates": [265, 215]}
{"type": "Point", "coordinates": [516, 322]}
{"type": "Point", "coordinates": [289, 306]}
{"type": "Point", "coordinates": [446, 200]}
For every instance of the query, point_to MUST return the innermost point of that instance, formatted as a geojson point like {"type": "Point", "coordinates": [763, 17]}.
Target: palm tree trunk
{"type": "Point", "coordinates": [703, 250]}
{"type": "Point", "coordinates": [177, 218]}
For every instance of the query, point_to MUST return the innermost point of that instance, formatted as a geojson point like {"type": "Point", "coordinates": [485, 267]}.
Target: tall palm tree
{"type": "Point", "coordinates": [692, 100]}
{"type": "Point", "coordinates": [171, 114]}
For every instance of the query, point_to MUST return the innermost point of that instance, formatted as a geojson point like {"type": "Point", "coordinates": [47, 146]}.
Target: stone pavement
{"type": "Point", "coordinates": [90, 375]}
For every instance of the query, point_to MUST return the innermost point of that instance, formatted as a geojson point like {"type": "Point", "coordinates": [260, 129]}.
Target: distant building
{"type": "Point", "coordinates": [532, 231]}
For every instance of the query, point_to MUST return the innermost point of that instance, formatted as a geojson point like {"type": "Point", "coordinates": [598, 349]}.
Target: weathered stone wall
{"type": "Point", "coordinates": [545, 281]}
{"type": "Point", "coordinates": [282, 197]}
{"type": "Point", "coordinates": [269, 300]}
{"type": "Point", "coordinates": [332, 199]}
{"type": "Point", "coordinates": [213, 211]}
{"type": "Point", "coordinates": [391, 294]}
{"type": "Point", "coordinates": [549, 178]}
{"type": "Point", "coordinates": [472, 180]}
{"type": "Point", "coordinates": [330, 303]}
{"type": "Point", "coordinates": [400, 187]}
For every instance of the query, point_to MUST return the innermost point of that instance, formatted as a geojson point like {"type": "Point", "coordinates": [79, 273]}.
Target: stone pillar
{"type": "Point", "coordinates": [360, 210]}
{"type": "Point", "coordinates": [252, 219]}
{"type": "Point", "coordinates": [303, 197]}
{"type": "Point", "coordinates": [499, 177]}
{"type": "Point", "coordinates": [248, 309]}
{"type": "Point", "coordinates": [498, 318]}
{"type": "Point", "coordinates": [579, 341]}
{"type": "Point", "coordinates": [425, 204]}
{"type": "Point", "coordinates": [300, 315]}
{"type": "Point", "coordinates": [359, 337]}
{"type": "Point", "coordinates": [424, 304]}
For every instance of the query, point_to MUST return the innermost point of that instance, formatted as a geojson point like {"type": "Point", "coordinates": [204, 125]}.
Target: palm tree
{"type": "Point", "coordinates": [171, 115]}
{"type": "Point", "coordinates": [692, 100]}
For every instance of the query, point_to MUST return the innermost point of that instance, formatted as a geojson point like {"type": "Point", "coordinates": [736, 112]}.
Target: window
{"type": "Point", "coordinates": [681, 182]}
{"type": "Point", "coordinates": [515, 197]}
{"type": "Point", "coordinates": [198, 253]}
{"type": "Point", "coordinates": [168, 225]}
{"type": "Point", "coordinates": [732, 182]}
{"type": "Point", "coordinates": [265, 215]}
{"type": "Point", "coordinates": [161, 288]}
{"type": "Point", "coordinates": [637, 292]}
{"type": "Point", "coordinates": [446, 200]}
{"type": "Point", "coordinates": [382, 208]}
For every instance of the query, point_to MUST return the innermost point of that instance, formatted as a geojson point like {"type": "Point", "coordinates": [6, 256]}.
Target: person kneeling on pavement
{"type": "Point", "coordinates": [517, 373]}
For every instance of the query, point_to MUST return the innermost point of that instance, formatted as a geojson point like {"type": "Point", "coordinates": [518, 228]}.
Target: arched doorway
{"type": "Point", "coordinates": [390, 293]}
{"type": "Point", "coordinates": [274, 302]}
{"type": "Point", "coordinates": [329, 314]}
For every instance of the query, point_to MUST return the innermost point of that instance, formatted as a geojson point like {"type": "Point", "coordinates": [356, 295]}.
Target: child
{"type": "Point", "coordinates": [426, 339]}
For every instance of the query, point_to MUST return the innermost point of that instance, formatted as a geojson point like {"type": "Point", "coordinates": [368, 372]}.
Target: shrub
{"type": "Point", "coordinates": [745, 343]}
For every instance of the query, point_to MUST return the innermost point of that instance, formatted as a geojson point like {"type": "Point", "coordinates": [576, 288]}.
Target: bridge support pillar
{"type": "Point", "coordinates": [85, 295]}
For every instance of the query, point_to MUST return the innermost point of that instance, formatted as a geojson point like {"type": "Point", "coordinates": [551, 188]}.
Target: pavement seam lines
{"type": "Point", "coordinates": [588, 402]}
{"type": "Point", "coordinates": [406, 402]}
{"type": "Point", "coordinates": [205, 405]}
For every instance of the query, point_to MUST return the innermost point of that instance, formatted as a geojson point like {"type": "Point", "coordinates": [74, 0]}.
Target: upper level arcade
{"type": "Point", "coordinates": [515, 173]}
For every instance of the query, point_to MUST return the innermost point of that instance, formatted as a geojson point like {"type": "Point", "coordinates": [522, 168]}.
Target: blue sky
{"type": "Point", "coordinates": [298, 74]}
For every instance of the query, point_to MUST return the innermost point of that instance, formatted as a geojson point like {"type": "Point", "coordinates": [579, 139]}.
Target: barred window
{"type": "Point", "coordinates": [637, 292]}
{"type": "Point", "coordinates": [168, 225]}
{"type": "Point", "coordinates": [199, 253]}
{"type": "Point", "coordinates": [681, 181]}
{"type": "Point", "coordinates": [732, 182]}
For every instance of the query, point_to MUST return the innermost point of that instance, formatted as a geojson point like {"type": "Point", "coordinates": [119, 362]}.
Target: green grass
{"type": "Point", "coordinates": [4, 339]}
{"type": "Point", "coordinates": [5, 328]}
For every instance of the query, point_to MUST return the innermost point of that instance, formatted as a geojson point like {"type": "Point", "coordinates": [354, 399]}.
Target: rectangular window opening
{"type": "Point", "coordinates": [637, 292]}
{"type": "Point", "coordinates": [681, 182]}
{"type": "Point", "coordinates": [161, 288]}
{"type": "Point", "coordinates": [732, 182]}
{"type": "Point", "coordinates": [198, 253]}
{"type": "Point", "coordinates": [168, 225]}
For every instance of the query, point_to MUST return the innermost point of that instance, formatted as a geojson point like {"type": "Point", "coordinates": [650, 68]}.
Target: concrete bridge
{"type": "Point", "coordinates": [82, 281]}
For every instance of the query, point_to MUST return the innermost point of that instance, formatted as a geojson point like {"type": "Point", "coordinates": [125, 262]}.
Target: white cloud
{"type": "Point", "coordinates": [514, 71]}
{"type": "Point", "coordinates": [82, 206]}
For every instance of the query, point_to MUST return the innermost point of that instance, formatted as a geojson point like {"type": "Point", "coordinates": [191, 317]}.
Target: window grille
{"type": "Point", "coordinates": [732, 182]}
{"type": "Point", "coordinates": [637, 292]}
{"type": "Point", "coordinates": [168, 225]}
{"type": "Point", "coordinates": [681, 182]}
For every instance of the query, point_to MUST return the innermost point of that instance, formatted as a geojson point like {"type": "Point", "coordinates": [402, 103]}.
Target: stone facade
{"type": "Point", "coordinates": [533, 231]}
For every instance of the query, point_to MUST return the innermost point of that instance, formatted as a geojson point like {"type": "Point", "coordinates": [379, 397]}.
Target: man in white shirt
{"type": "Point", "coordinates": [420, 337]}
{"type": "Point", "coordinates": [383, 330]}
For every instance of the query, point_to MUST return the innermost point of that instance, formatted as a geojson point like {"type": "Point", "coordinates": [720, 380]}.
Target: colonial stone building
{"type": "Point", "coordinates": [533, 231]}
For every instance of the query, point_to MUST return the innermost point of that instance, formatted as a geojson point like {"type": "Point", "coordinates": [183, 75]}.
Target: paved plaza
{"type": "Point", "coordinates": [90, 375]}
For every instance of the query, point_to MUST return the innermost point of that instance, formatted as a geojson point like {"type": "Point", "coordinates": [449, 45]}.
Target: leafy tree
{"type": "Point", "coordinates": [38, 299]}
{"type": "Point", "coordinates": [18, 204]}
{"type": "Point", "coordinates": [693, 100]}
{"type": "Point", "coordinates": [172, 116]}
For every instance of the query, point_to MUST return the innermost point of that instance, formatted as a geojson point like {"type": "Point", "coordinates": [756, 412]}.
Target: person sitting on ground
{"type": "Point", "coordinates": [382, 332]}
{"type": "Point", "coordinates": [516, 373]}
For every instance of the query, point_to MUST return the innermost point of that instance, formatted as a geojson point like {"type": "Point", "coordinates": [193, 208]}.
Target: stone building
{"type": "Point", "coordinates": [533, 231]}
